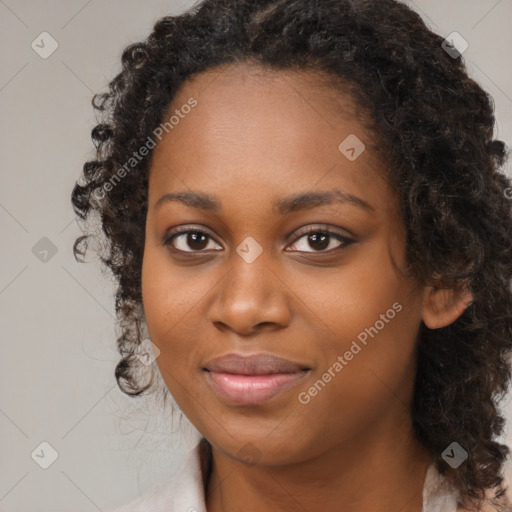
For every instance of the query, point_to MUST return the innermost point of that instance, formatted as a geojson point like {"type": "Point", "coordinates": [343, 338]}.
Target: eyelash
{"type": "Point", "coordinates": [345, 241]}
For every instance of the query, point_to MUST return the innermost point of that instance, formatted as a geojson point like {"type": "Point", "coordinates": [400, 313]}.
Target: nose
{"type": "Point", "coordinates": [250, 298]}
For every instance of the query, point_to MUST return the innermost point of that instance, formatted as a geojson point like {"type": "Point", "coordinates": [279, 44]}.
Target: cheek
{"type": "Point", "coordinates": [162, 299]}
{"type": "Point", "coordinates": [170, 292]}
{"type": "Point", "coordinates": [343, 302]}
{"type": "Point", "coordinates": [368, 316]}
{"type": "Point", "coordinates": [366, 370]}
{"type": "Point", "coordinates": [174, 301]}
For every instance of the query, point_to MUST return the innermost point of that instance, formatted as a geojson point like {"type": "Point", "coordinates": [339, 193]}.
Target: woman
{"type": "Point", "coordinates": [305, 209]}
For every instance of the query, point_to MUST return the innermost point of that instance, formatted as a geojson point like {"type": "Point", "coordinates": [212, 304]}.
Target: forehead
{"type": "Point", "coordinates": [263, 131]}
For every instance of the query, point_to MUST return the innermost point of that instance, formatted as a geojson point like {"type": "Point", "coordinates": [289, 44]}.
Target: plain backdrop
{"type": "Point", "coordinates": [57, 320]}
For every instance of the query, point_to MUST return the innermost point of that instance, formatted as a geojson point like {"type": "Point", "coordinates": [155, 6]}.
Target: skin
{"type": "Point", "coordinates": [253, 138]}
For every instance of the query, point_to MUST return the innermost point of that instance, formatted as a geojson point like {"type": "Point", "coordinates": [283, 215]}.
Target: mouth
{"type": "Point", "coordinates": [252, 380]}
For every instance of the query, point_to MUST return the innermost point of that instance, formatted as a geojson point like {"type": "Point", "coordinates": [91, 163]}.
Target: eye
{"type": "Point", "coordinates": [321, 239]}
{"type": "Point", "coordinates": [190, 241]}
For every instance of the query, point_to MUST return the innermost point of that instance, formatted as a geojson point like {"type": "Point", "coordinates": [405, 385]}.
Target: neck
{"type": "Point", "coordinates": [370, 473]}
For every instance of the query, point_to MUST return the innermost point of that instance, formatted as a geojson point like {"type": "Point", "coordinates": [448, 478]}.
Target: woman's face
{"type": "Point", "coordinates": [257, 163]}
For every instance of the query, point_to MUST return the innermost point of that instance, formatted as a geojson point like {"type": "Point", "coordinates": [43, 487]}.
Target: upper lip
{"type": "Point", "coordinates": [255, 364]}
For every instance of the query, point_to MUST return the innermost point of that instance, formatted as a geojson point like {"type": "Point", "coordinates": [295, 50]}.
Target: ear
{"type": "Point", "coordinates": [442, 306]}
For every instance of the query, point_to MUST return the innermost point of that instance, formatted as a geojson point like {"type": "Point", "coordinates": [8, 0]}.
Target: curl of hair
{"type": "Point", "coordinates": [435, 125]}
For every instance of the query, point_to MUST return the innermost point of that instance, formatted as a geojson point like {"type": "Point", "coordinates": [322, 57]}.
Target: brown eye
{"type": "Point", "coordinates": [321, 240]}
{"type": "Point", "coordinates": [191, 241]}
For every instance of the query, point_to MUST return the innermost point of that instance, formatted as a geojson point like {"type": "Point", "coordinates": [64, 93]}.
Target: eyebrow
{"type": "Point", "coordinates": [286, 205]}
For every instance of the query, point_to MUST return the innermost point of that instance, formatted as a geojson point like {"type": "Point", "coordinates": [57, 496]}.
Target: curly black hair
{"type": "Point", "coordinates": [435, 127]}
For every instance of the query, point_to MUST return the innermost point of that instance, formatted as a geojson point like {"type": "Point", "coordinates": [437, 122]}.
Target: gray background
{"type": "Point", "coordinates": [57, 317]}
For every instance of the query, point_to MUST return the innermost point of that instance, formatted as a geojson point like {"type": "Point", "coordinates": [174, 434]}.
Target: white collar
{"type": "Point", "coordinates": [182, 493]}
{"type": "Point", "coordinates": [438, 496]}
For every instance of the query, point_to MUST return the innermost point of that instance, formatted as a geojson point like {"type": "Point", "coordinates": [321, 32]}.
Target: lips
{"type": "Point", "coordinates": [256, 364]}
{"type": "Point", "coordinates": [252, 380]}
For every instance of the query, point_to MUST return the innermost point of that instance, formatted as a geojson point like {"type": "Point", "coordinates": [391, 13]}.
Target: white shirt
{"type": "Point", "coordinates": [184, 492]}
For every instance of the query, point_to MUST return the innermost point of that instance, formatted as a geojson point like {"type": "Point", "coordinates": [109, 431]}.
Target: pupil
{"type": "Point", "coordinates": [193, 240]}
{"type": "Point", "coordinates": [320, 239]}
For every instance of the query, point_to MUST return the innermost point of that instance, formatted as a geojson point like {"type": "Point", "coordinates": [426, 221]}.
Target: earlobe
{"type": "Point", "coordinates": [442, 306]}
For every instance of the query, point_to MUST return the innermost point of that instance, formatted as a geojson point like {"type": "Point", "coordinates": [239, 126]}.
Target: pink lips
{"type": "Point", "coordinates": [252, 380]}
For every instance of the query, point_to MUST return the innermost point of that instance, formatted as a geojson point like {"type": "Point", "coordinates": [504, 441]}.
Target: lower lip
{"type": "Point", "coordinates": [252, 389]}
